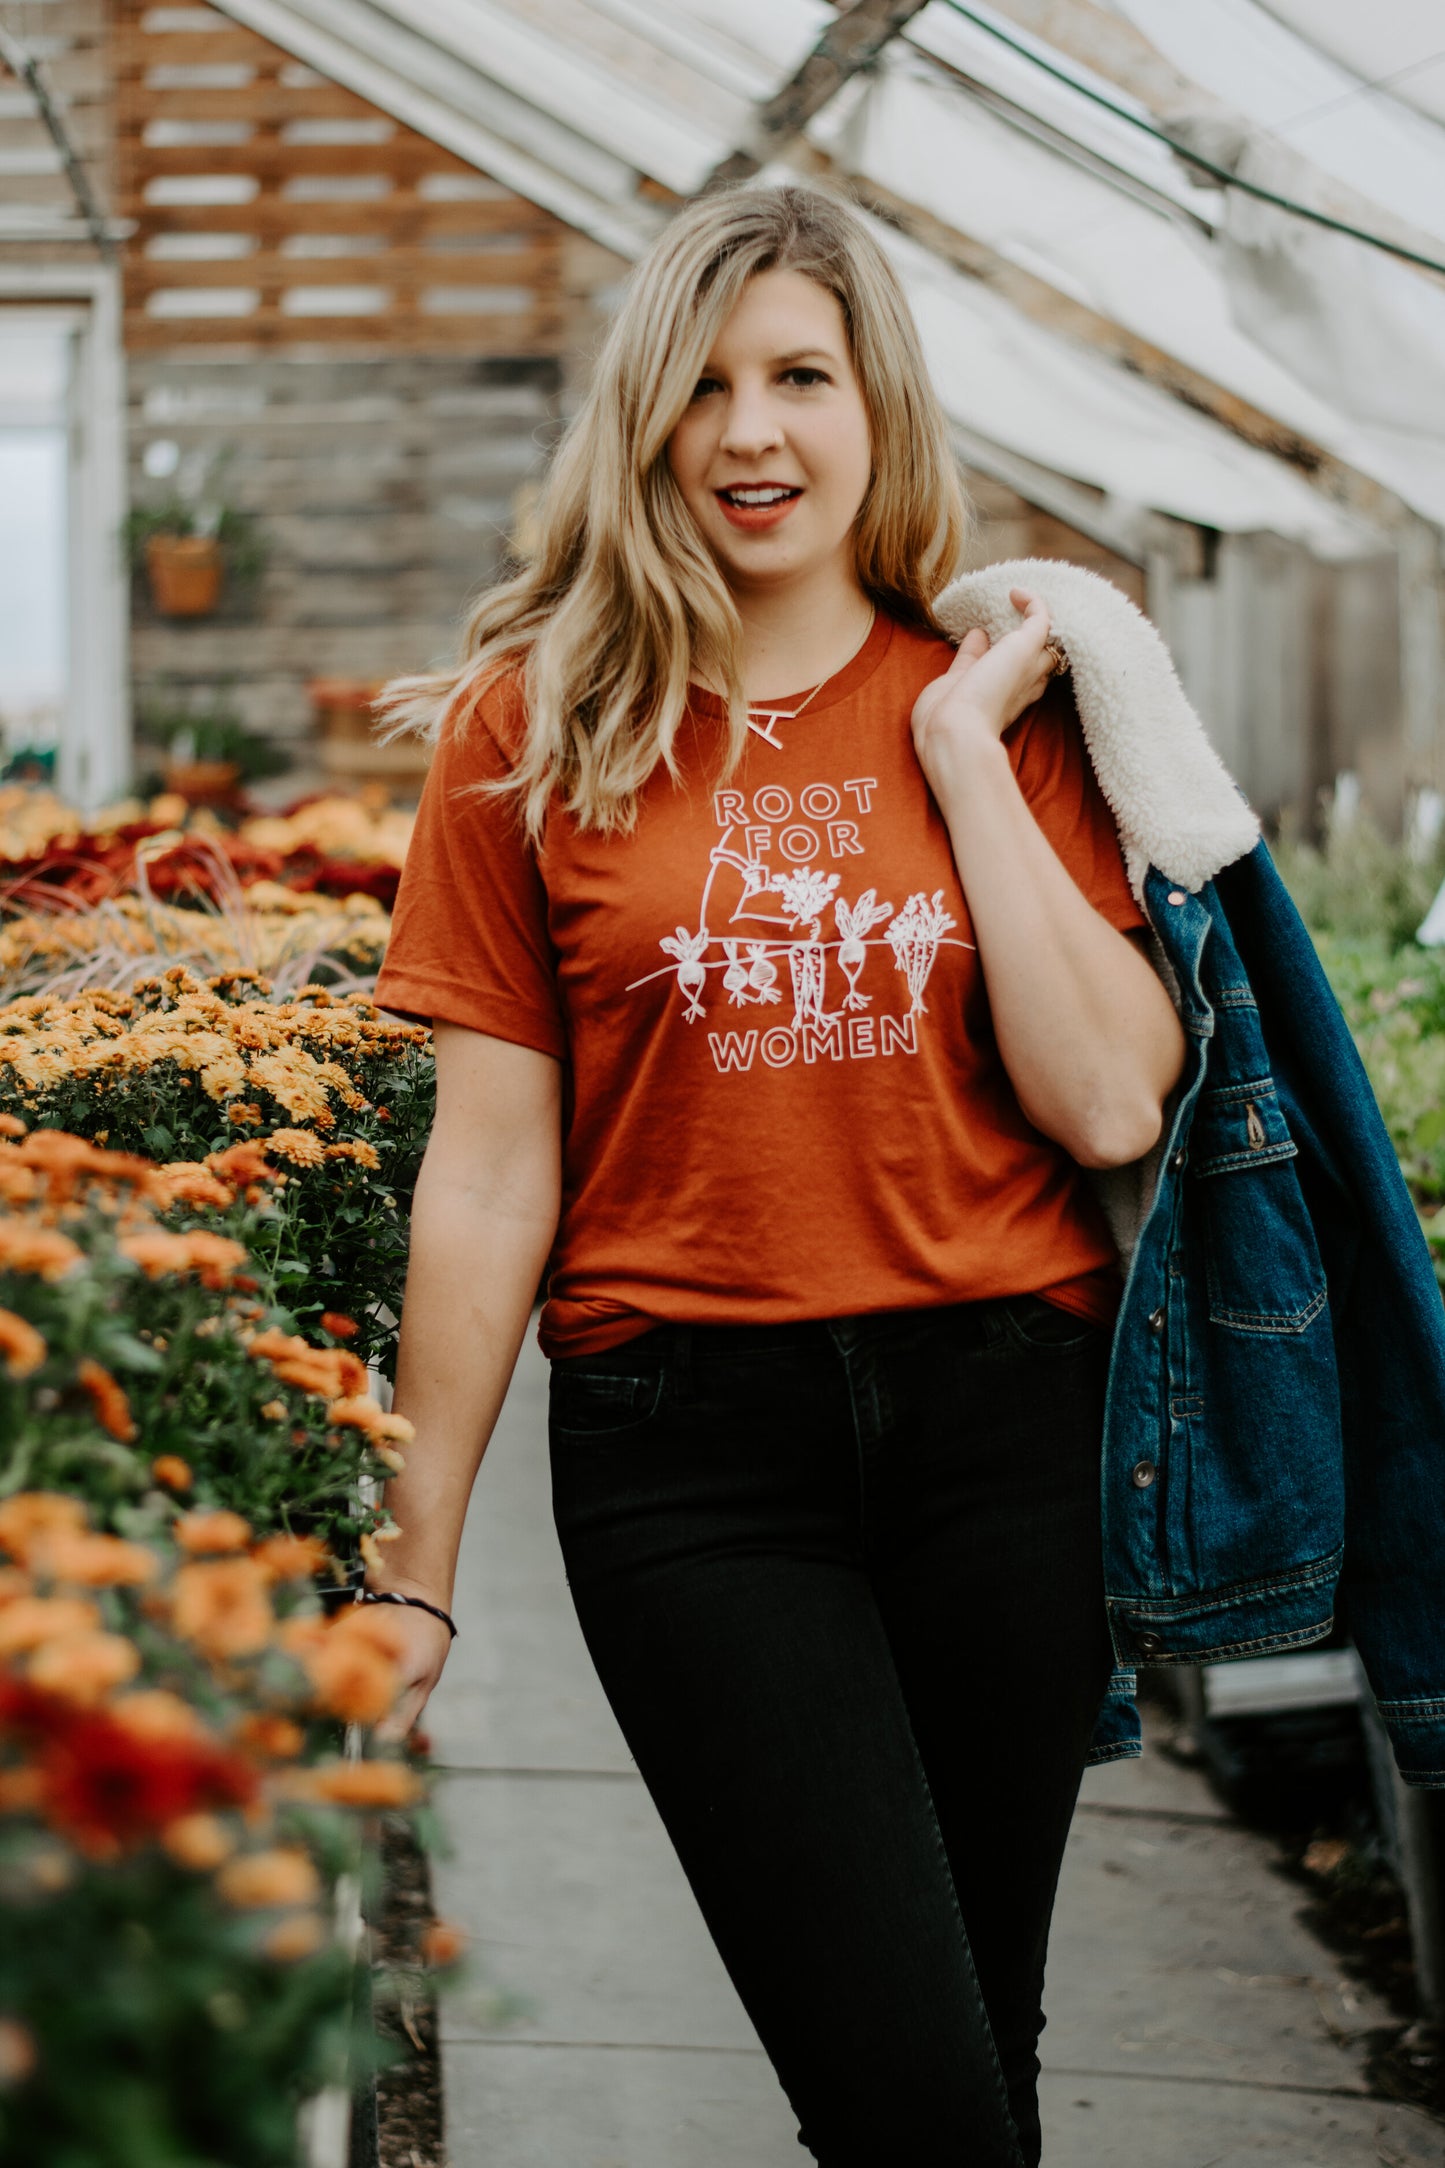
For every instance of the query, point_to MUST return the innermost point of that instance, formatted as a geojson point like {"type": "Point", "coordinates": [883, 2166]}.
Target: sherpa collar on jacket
{"type": "Point", "coordinates": [1175, 803]}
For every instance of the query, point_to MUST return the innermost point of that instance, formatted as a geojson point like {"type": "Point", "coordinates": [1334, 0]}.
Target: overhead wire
{"type": "Point", "coordinates": [1191, 157]}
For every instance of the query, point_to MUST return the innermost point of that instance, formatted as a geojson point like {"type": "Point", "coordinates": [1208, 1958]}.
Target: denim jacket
{"type": "Point", "coordinates": [1274, 1437]}
{"type": "Point", "coordinates": [1274, 1442]}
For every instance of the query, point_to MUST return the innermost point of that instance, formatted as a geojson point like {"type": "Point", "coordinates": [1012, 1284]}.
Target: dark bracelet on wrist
{"type": "Point", "coordinates": [417, 1603]}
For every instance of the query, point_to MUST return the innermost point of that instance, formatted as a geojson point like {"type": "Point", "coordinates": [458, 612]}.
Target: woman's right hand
{"type": "Point", "coordinates": [423, 1644]}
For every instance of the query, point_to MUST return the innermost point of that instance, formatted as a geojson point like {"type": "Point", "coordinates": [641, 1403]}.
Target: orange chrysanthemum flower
{"type": "Point", "coordinates": [297, 1145]}
{"type": "Point", "coordinates": [21, 1345]}
{"type": "Point", "coordinates": [292, 1939]}
{"type": "Point", "coordinates": [33, 1516]}
{"type": "Point", "coordinates": [170, 1469]}
{"type": "Point", "coordinates": [154, 1712]}
{"type": "Point", "coordinates": [242, 1162]}
{"type": "Point", "coordinates": [112, 1409]}
{"type": "Point", "coordinates": [213, 1258]}
{"type": "Point", "coordinates": [271, 1737]}
{"type": "Point", "coordinates": [357, 1784]}
{"type": "Point", "coordinates": [84, 1667]}
{"type": "Point", "coordinates": [339, 1326]}
{"type": "Point", "coordinates": [222, 1606]}
{"type": "Point", "coordinates": [94, 1561]}
{"type": "Point", "coordinates": [291, 1558]}
{"type": "Point", "coordinates": [41, 1250]}
{"type": "Point", "coordinates": [361, 1412]}
{"type": "Point", "coordinates": [11, 1126]}
{"type": "Point", "coordinates": [442, 1943]}
{"type": "Point", "coordinates": [185, 1183]}
{"type": "Point", "coordinates": [204, 1533]}
{"type": "Point", "coordinates": [274, 1411]}
{"type": "Point", "coordinates": [198, 1841]}
{"type": "Point", "coordinates": [351, 1677]}
{"type": "Point", "coordinates": [31, 1621]}
{"type": "Point", "coordinates": [258, 1880]}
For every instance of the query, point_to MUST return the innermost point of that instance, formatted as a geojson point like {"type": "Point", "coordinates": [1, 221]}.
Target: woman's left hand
{"type": "Point", "coordinates": [985, 688]}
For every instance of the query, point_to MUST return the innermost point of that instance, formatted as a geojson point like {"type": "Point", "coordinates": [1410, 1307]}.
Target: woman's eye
{"type": "Point", "coordinates": [704, 385]}
{"type": "Point", "coordinates": [805, 377]}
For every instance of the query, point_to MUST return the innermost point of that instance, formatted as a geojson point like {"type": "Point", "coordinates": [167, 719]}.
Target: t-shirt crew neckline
{"type": "Point", "coordinates": [841, 686]}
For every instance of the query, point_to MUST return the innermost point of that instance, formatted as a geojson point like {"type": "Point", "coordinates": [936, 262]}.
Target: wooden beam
{"type": "Point", "coordinates": [856, 38]}
{"type": "Point", "coordinates": [384, 264]}
{"type": "Point", "coordinates": [1108, 43]}
{"type": "Point", "coordinates": [403, 154]}
{"type": "Point", "coordinates": [260, 101]}
{"type": "Point", "coordinates": [401, 209]}
{"type": "Point", "coordinates": [543, 331]}
{"type": "Point", "coordinates": [138, 50]}
{"type": "Point", "coordinates": [1043, 304]}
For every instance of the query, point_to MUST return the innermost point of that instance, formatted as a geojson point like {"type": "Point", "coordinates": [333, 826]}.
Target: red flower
{"type": "Point", "coordinates": [109, 1788]}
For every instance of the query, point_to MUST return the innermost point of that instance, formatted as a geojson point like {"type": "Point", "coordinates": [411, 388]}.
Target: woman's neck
{"type": "Point", "coordinates": [792, 642]}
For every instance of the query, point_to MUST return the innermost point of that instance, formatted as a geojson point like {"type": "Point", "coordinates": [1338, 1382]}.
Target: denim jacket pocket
{"type": "Point", "coordinates": [1263, 1263]}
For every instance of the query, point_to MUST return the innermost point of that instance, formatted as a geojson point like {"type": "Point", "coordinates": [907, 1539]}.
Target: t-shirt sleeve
{"type": "Point", "coordinates": [1057, 778]}
{"type": "Point", "coordinates": [469, 942]}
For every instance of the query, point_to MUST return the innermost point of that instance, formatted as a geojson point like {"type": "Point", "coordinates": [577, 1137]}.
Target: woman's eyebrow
{"type": "Point", "coordinates": [803, 353]}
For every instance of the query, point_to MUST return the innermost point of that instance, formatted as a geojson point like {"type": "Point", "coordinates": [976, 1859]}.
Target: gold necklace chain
{"type": "Point", "coordinates": [768, 716]}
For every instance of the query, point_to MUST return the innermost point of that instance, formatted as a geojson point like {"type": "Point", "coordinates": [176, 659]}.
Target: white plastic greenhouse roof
{"type": "Point", "coordinates": [580, 104]}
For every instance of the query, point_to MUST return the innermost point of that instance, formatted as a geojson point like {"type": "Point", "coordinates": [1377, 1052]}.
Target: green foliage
{"type": "Point", "coordinates": [169, 2039]}
{"type": "Point", "coordinates": [207, 729]}
{"type": "Point", "coordinates": [1363, 900]}
{"type": "Point", "coordinates": [1357, 885]}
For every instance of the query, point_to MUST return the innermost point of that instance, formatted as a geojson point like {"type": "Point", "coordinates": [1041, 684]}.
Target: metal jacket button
{"type": "Point", "coordinates": [1179, 1159]}
{"type": "Point", "coordinates": [1156, 1321]}
{"type": "Point", "coordinates": [1143, 1474]}
{"type": "Point", "coordinates": [1149, 1644]}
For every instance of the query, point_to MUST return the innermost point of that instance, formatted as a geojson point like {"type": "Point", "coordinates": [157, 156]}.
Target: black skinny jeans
{"type": "Point", "coordinates": [842, 1585]}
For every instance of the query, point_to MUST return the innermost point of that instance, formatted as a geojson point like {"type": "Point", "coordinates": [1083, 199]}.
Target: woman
{"type": "Point", "coordinates": [784, 976]}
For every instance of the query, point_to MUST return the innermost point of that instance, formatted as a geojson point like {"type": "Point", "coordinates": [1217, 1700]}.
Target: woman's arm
{"type": "Point", "coordinates": [482, 1225]}
{"type": "Point", "coordinates": [1087, 1033]}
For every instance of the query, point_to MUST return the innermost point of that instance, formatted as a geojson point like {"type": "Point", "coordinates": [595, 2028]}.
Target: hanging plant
{"type": "Point", "coordinates": [189, 553]}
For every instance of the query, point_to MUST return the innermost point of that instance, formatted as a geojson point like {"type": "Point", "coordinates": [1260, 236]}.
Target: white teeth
{"type": "Point", "coordinates": [757, 496]}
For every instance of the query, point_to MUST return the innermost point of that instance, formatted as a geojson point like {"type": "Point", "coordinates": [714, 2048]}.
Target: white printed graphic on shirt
{"type": "Point", "coordinates": [795, 898]}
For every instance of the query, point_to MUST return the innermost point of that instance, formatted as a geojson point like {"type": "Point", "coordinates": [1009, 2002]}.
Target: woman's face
{"type": "Point", "coordinates": [772, 456]}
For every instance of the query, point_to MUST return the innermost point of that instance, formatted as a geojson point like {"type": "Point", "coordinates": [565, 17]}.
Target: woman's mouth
{"type": "Point", "coordinates": [755, 505]}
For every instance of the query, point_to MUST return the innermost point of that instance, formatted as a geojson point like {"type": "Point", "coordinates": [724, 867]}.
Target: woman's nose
{"type": "Point", "coordinates": [752, 425]}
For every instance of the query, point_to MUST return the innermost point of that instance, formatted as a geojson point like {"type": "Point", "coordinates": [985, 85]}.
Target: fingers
{"type": "Point", "coordinates": [394, 1728]}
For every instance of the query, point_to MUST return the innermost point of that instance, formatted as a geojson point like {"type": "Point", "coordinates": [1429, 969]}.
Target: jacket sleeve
{"type": "Point", "coordinates": [1387, 1317]}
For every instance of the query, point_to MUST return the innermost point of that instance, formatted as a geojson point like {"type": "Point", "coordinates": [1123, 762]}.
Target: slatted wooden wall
{"type": "Point", "coordinates": [273, 206]}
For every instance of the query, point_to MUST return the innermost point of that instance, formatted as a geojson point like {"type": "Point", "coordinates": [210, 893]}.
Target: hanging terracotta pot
{"type": "Point", "coordinates": [185, 573]}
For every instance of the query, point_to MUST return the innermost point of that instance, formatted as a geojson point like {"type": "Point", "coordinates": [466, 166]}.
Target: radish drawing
{"type": "Point", "coordinates": [689, 949]}
{"type": "Point", "coordinates": [763, 978]}
{"type": "Point", "coordinates": [735, 978]}
{"type": "Point", "coordinates": [855, 922]}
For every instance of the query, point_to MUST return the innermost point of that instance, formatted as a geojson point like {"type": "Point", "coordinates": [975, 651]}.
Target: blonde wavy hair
{"type": "Point", "coordinates": [621, 602]}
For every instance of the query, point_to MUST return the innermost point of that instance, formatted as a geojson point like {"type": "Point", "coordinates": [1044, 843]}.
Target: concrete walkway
{"type": "Point", "coordinates": [1194, 2022]}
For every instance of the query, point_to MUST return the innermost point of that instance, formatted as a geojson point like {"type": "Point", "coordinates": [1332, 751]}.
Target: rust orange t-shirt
{"type": "Point", "coordinates": [786, 1098]}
